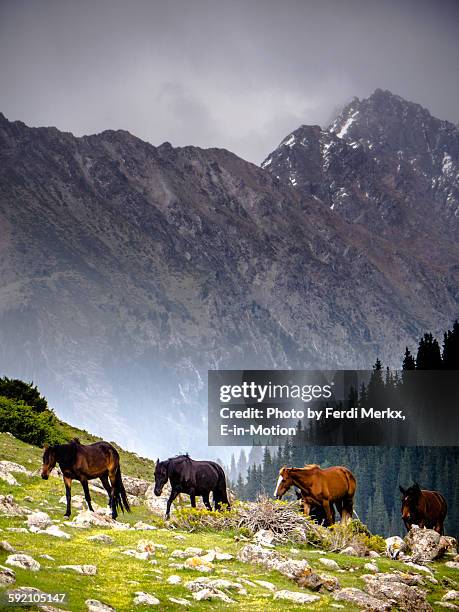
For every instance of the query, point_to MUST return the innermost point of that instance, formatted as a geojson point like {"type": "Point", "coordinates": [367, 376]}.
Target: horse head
{"type": "Point", "coordinates": [410, 502]}
{"type": "Point", "coordinates": [284, 482]}
{"type": "Point", "coordinates": [161, 476]}
{"type": "Point", "coordinates": [49, 461]}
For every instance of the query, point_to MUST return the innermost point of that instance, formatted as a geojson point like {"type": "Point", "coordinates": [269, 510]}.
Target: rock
{"type": "Point", "coordinates": [23, 561]}
{"type": "Point", "coordinates": [54, 530]}
{"type": "Point", "coordinates": [47, 557]}
{"type": "Point", "coordinates": [135, 486]}
{"type": "Point", "coordinates": [450, 543]}
{"type": "Point", "coordinates": [84, 570]}
{"type": "Point", "coordinates": [179, 537]}
{"type": "Point", "coordinates": [215, 584]}
{"type": "Point", "coordinates": [361, 599]}
{"type": "Point", "coordinates": [265, 537]}
{"type": "Point", "coordinates": [8, 477]}
{"type": "Point", "coordinates": [78, 502]}
{"type": "Point", "coordinates": [6, 546]}
{"type": "Point", "coordinates": [452, 564]}
{"type": "Point", "coordinates": [397, 589]}
{"type": "Point", "coordinates": [394, 546]}
{"type": "Point", "coordinates": [9, 507]}
{"type": "Point", "coordinates": [311, 581]}
{"type": "Point", "coordinates": [447, 604]}
{"type": "Point", "coordinates": [349, 550]}
{"type": "Point", "coordinates": [196, 563]}
{"type": "Point", "coordinates": [17, 529]}
{"type": "Point", "coordinates": [209, 557]}
{"type": "Point", "coordinates": [266, 585]}
{"type": "Point", "coordinates": [425, 544]}
{"type": "Point", "coordinates": [451, 596]}
{"type": "Point", "coordinates": [204, 594]}
{"type": "Point", "coordinates": [102, 537]}
{"type": "Point", "coordinates": [272, 560]}
{"type": "Point", "coordinates": [420, 568]}
{"type": "Point", "coordinates": [221, 556]}
{"type": "Point", "coordinates": [146, 546]}
{"type": "Point", "coordinates": [174, 579]}
{"type": "Point", "coordinates": [188, 552]}
{"type": "Point", "coordinates": [374, 555]}
{"type": "Point", "coordinates": [87, 519]}
{"type": "Point", "coordinates": [371, 567]}
{"type": "Point", "coordinates": [157, 505]}
{"type": "Point", "coordinates": [145, 599]}
{"type": "Point", "coordinates": [179, 601]}
{"type": "Point", "coordinates": [94, 605]}
{"type": "Point", "coordinates": [7, 576]}
{"type": "Point", "coordinates": [295, 597]}
{"type": "Point", "coordinates": [141, 526]}
{"type": "Point", "coordinates": [10, 466]}
{"type": "Point", "coordinates": [330, 563]}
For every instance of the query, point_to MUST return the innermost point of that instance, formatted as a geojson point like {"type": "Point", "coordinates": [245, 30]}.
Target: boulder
{"type": "Point", "coordinates": [330, 563]}
{"type": "Point", "coordinates": [145, 599]}
{"type": "Point", "coordinates": [179, 601]}
{"type": "Point", "coordinates": [23, 561]}
{"type": "Point", "coordinates": [141, 526]}
{"type": "Point", "coordinates": [7, 576]}
{"type": "Point", "coordinates": [295, 597]}
{"type": "Point", "coordinates": [272, 560]}
{"type": "Point", "coordinates": [55, 531]}
{"type": "Point", "coordinates": [452, 564]}
{"type": "Point", "coordinates": [215, 584]}
{"type": "Point", "coordinates": [349, 550]}
{"type": "Point", "coordinates": [40, 520]}
{"type": "Point", "coordinates": [157, 505]}
{"type": "Point", "coordinates": [102, 538]}
{"type": "Point", "coordinates": [197, 563]}
{"type": "Point", "coordinates": [398, 590]}
{"type": "Point", "coordinates": [8, 477]}
{"type": "Point", "coordinates": [371, 567]}
{"type": "Point", "coordinates": [86, 519]}
{"type": "Point", "coordinates": [266, 585]}
{"type": "Point", "coordinates": [9, 507]}
{"type": "Point", "coordinates": [10, 466]}
{"type": "Point", "coordinates": [451, 596]}
{"type": "Point", "coordinates": [207, 593]}
{"type": "Point", "coordinates": [359, 598]}
{"type": "Point", "coordinates": [451, 544]}
{"type": "Point", "coordinates": [94, 605]}
{"type": "Point", "coordinates": [135, 486]}
{"type": "Point", "coordinates": [174, 579]}
{"type": "Point", "coordinates": [84, 570]}
{"type": "Point", "coordinates": [6, 546]}
{"type": "Point", "coordinates": [425, 544]}
{"type": "Point", "coordinates": [265, 537]}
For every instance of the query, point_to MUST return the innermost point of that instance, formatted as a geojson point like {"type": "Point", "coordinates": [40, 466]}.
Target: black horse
{"type": "Point", "coordinates": [316, 513]}
{"type": "Point", "coordinates": [86, 462]}
{"type": "Point", "coordinates": [195, 478]}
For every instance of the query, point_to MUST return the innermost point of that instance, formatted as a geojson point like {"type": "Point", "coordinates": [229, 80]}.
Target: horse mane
{"type": "Point", "coordinates": [311, 465]}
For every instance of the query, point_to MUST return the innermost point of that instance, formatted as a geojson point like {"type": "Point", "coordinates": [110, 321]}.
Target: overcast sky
{"type": "Point", "coordinates": [227, 73]}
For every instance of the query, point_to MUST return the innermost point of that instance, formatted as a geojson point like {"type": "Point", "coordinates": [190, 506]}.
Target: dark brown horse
{"type": "Point", "coordinates": [195, 478]}
{"type": "Point", "coordinates": [423, 508]}
{"type": "Point", "coordinates": [83, 463]}
{"type": "Point", "coordinates": [325, 488]}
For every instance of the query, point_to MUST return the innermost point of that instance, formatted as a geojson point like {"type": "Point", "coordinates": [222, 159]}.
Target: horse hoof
{"type": "Point", "coordinates": [66, 515]}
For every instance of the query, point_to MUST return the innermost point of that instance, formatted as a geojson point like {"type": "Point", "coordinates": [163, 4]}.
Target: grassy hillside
{"type": "Point", "coordinates": [119, 576]}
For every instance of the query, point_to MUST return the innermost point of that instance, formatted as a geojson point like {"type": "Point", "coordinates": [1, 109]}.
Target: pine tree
{"type": "Point", "coordinates": [428, 357]}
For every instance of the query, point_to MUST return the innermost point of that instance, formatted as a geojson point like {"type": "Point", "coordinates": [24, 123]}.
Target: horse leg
{"type": "Point", "coordinates": [193, 499]}
{"type": "Point", "coordinates": [205, 499]}
{"type": "Point", "coordinates": [306, 506]}
{"type": "Point", "coordinates": [330, 519]}
{"type": "Point", "coordinates": [68, 495]}
{"type": "Point", "coordinates": [84, 484]}
{"type": "Point", "coordinates": [172, 496]}
{"type": "Point", "coordinates": [106, 484]}
{"type": "Point", "coordinates": [347, 509]}
{"type": "Point", "coordinates": [112, 478]}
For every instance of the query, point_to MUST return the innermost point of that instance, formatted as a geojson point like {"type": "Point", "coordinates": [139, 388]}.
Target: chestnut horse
{"type": "Point", "coordinates": [331, 486]}
{"type": "Point", "coordinates": [86, 462]}
{"type": "Point", "coordinates": [423, 508]}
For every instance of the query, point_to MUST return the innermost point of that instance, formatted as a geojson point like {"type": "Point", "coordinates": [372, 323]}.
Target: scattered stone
{"type": "Point", "coordinates": [146, 546]}
{"type": "Point", "coordinates": [14, 467]}
{"type": "Point", "coordinates": [373, 554]}
{"type": "Point", "coordinates": [141, 526]}
{"type": "Point", "coordinates": [9, 507]}
{"type": "Point", "coordinates": [88, 519]}
{"type": "Point", "coordinates": [145, 599]}
{"type": "Point", "coordinates": [420, 568]}
{"type": "Point", "coordinates": [310, 581]}
{"type": "Point", "coordinates": [212, 594]}
{"type": "Point", "coordinates": [142, 556]}
{"type": "Point", "coordinates": [265, 537]}
{"type": "Point", "coordinates": [450, 543]}
{"type": "Point", "coordinates": [447, 604]}
{"type": "Point", "coordinates": [266, 585]}
{"type": "Point", "coordinates": [174, 579]}
{"type": "Point", "coordinates": [8, 477]}
{"type": "Point", "coordinates": [425, 544]}
{"type": "Point", "coordinates": [17, 529]}
{"type": "Point", "coordinates": [29, 499]}
{"type": "Point", "coordinates": [197, 563]}
{"type": "Point", "coordinates": [362, 599]}
{"type": "Point", "coordinates": [451, 596]}
{"type": "Point", "coordinates": [179, 537]}
{"type": "Point", "coordinates": [397, 589]}
{"type": "Point", "coordinates": [7, 576]}
{"type": "Point", "coordinates": [179, 601]}
{"type": "Point", "coordinates": [78, 502]}
{"type": "Point", "coordinates": [6, 546]}
{"type": "Point", "coordinates": [215, 584]}
{"type": "Point", "coordinates": [270, 559]}
{"type": "Point", "coordinates": [135, 486]}
{"type": "Point", "coordinates": [103, 538]}
{"type": "Point", "coordinates": [47, 557]}
{"type": "Point", "coordinates": [371, 567]}
{"type": "Point", "coordinates": [452, 564]}
{"type": "Point", "coordinates": [299, 598]}
{"type": "Point", "coordinates": [55, 531]}
{"type": "Point", "coordinates": [94, 605]}
{"type": "Point", "coordinates": [23, 561]}
{"type": "Point", "coordinates": [84, 570]}
{"type": "Point", "coordinates": [330, 563]}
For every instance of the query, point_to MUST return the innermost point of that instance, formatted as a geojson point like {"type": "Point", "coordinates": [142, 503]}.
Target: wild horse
{"type": "Point", "coordinates": [86, 462]}
{"type": "Point", "coordinates": [195, 478]}
{"type": "Point", "coordinates": [325, 488]}
{"type": "Point", "coordinates": [423, 508]}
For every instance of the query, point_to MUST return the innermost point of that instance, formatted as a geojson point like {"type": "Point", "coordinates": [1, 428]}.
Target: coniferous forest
{"type": "Point", "coordinates": [379, 469]}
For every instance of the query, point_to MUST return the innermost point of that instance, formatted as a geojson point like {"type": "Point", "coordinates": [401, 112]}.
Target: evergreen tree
{"type": "Point", "coordinates": [428, 356]}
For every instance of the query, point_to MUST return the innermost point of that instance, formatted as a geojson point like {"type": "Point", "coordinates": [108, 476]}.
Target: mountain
{"type": "Point", "coordinates": [128, 270]}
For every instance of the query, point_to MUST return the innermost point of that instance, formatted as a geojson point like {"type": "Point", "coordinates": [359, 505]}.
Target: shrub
{"type": "Point", "coordinates": [15, 389]}
{"type": "Point", "coordinates": [198, 519]}
{"type": "Point", "coordinates": [27, 425]}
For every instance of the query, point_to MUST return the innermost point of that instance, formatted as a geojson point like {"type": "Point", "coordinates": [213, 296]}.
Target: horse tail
{"type": "Point", "coordinates": [222, 495]}
{"type": "Point", "coordinates": [119, 494]}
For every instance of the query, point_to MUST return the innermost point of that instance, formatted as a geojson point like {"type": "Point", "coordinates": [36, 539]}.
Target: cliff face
{"type": "Point", "coordinates": [128, 270]}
